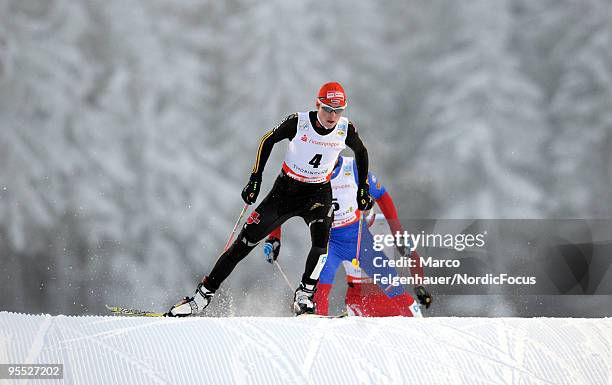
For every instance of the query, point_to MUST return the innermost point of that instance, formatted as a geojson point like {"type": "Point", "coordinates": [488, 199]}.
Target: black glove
{"type": "Point", "coordinates": [271, 249]}
{"type": "Point", "coordinates": [364, 200]}
{"type": "Point", "coordinates": [402, 250]}
{"type": "Point", "coordinates": [423, 296]}
{"type": "Point", "coordinates": [251, 190]}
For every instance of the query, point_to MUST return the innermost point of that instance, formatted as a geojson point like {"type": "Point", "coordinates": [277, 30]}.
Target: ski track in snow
{"type": "Point", "coordinates": [313, 351]}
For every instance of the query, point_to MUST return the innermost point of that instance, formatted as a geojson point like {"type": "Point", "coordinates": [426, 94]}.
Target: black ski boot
{"type": "Point", "coordinates": [193, 305]}
{"type": "Point", "coordinates": [302, 300]}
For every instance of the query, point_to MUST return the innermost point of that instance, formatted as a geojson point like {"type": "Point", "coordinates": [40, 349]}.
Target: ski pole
{"type": "Point", "coordinates": [284, 275]}
{"type": "Point", "coordinates": [355, 261]}
{"type": "Point", "coordinates": [229, 241]}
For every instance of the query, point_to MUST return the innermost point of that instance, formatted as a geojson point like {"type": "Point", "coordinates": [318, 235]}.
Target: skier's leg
{"type": "Point", "coordinates": [401, 301]}
{"type": "Point", "coordinates": [261, 222]}
{"type": "Point", "coordinates": [328, 274]}
{"type": "Point", "coordinates": [319, 236]}
{"type": "Point", "coordinates": [326, 279]}
{"type": "Point", "coordinates": [319, 217]}
{"type": "Point", "coordinates": [366, 262]}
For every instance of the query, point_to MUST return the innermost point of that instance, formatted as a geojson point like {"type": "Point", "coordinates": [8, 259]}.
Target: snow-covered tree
{"type": "Point", "coordinates": [484, 121]}
{"type": "Point", "coordinates": [582, 116]}
{"type": "Point", "coordinates": [128, 130]}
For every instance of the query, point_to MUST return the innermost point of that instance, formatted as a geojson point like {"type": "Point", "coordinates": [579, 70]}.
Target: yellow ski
{"type": "Point", "coordinates": [122, 311]}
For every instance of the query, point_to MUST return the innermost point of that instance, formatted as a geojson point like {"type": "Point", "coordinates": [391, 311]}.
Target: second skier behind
{"type": "Point", "coordinates": [363, 297]}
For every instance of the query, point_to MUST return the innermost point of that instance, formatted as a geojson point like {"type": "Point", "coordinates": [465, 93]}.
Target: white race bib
{"type": "Point", "coordinates": [344, 190]}
{"type": "Point", "coordinates": [311, 157]}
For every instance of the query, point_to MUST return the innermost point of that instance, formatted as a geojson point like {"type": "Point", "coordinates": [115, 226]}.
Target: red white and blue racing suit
{"type": "Point", "coordinates": [363, 297]}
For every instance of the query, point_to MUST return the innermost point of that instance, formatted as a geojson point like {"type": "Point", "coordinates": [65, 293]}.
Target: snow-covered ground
{"type": "Point", "coordinates": [121, 350]}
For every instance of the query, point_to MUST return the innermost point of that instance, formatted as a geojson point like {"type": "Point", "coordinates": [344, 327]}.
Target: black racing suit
{"type": "Point", "coordinates": [289, 198]}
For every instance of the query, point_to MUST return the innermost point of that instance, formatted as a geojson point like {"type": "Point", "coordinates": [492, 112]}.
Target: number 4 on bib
{"type": "Point", "coordinates": [316, 160]}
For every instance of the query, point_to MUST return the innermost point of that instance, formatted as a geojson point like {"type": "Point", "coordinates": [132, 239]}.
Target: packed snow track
{"type": "Point", "coordinates": [134, 350]}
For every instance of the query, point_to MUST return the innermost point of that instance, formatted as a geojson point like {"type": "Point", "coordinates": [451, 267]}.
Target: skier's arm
{"type": "Point", "coordinates": [364, 200]}
{"type": "Point", "coordinates": [286, 130]}
{"type": "Point", "coordinates": [361, 153]}
{"type": "Point", "coordinates": [384, 201]}
{"type": "Point", "coordinates": [388, 209]}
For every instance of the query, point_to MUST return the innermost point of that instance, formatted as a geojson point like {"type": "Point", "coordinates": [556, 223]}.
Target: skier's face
{"type": "Point", "coordinates": [329, 119]}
